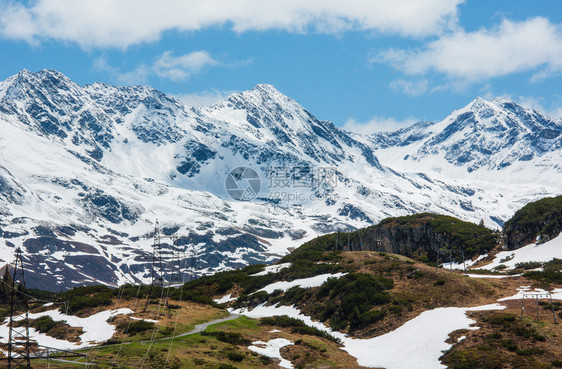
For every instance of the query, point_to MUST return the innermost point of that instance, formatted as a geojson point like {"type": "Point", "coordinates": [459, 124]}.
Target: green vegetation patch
{"type": "Point", "coordinates": [540, 218]}
{"type": "Point", "coordinates": [44, 323]}
{"type": "Point", "coordinates": [233, 338]}
{"type": "Point", "coordinates": [351, 299]}
{"type": "Point", "coordinates": [513, 343]}
{"type": "Point", "coordinates": [297, 326]}
{"type": "Point", "coordinates": [551, 273]}
{"type": "Point", "coordinates": [81, 298]}
{"type": "Point", "coordinates": [135, 327]}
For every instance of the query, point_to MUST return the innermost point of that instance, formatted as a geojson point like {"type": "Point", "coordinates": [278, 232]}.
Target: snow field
{"type": "Point", "coordinates": [272, 269]}
{"type": "Point", "coordinates": [272, 349]}
{"type": "Point", "coordinates": [95, 327]}
{"type": "Point", "coordinates": [224, 299]}
{"type": "Point", "coordinates": [534, 252]}
{"type": "Point", "coordinates": [315, 281]}
{"type": "Point", "coordinates": [389, 350]}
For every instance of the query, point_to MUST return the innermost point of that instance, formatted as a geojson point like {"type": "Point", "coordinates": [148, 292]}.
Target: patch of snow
{"type": "Point", "coordinates": [388, 350]}
{"type": "Point", "coordinates": [224, 299]}
{"type": "Point", "coordinates": [315, 281]}
{"type": "Point", "coordinates": [493, 275]}
{"type": "Point", "coordinates": [462, 266]}
{"type": "Point", "coordinates": [461, 338]}
{"type": "Point", "coordinates": [272, 269]}
{"type": "Point", "coordinates": [95, 327]}
{"type": "Point", "coordinates": [556, 293]}
{"type": "Point", "coordinates": [146, 320]}
{"type": "Point", "coordinates": [272, 349]}
{"type": "Point", "coordinates": [534, 252]}
{"type": "Point", "coordinates": [422, 350]}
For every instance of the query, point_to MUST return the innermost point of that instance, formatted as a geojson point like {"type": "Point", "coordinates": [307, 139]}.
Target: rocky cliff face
{"type": "Point", "coordinates": [538, 221]}
{"type": "Point", "coordinates": [422, 236]}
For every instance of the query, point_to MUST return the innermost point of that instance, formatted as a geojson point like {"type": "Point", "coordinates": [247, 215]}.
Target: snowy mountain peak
{"type": "Point", "coordinates": [266, 88]}
{"type": "Point", "coordinates": [262, 96]}
{"type": "Point", "coordinates": [484, 134]}
{"type": "Point", "coordinates": [20, 86]}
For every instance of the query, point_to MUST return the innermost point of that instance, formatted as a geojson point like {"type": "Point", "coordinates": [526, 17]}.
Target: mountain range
{"type": "Point", "coordinates": [88, 172]}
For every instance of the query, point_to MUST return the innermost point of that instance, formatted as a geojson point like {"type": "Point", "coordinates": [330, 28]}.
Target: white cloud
{"type": "Point", "coordinates": [532, 45]}
{"type": "Point", "coordinates": [378, 124]}
{"type": "Point", "coordinates": [136, 76]}
{"type": "Point", "coordinates": [166, 65]}
{"type": "Point", "coordinates": [410, 87]}
{"type": "Point", "coordinates": [183, 66]}
{"type": "Point", "coordinates": [109, 23]}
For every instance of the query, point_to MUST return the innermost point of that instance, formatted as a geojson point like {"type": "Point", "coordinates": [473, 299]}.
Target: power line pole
{"type": "Point", "coordinates": [22, 358]}
{"type": "Point", "coordinates": [175, 270]}
{"type": "Point", "coordinates": [156, 270]}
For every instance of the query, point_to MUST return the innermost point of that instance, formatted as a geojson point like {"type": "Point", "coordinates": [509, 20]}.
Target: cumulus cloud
{"type": "Point", "coordinates": [378, 124]}
{"type": "Point", "coordinates": [136, 76]}
{"type": "Point", "coordinates": [531, 45]}
{"type": "Point", "coordinates": [410, 87]}
{"type": "Point", "coordinates": [167, 65]}
{"type": "Point", "coordinates": [183, 66]}
{"type": "Point", "coordinates": [109, 23]}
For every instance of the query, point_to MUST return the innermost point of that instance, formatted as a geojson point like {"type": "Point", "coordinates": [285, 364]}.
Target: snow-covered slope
{"type": "Point", "coordinates": [85, 171]}
{"type": "Point", "coordinates": [539, 252]}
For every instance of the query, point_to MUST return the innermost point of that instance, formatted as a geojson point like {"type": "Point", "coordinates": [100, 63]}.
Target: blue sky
{"type": "Point", "coordinates": [328, 55]}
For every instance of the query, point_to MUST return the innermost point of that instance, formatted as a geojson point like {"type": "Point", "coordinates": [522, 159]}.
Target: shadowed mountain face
{"type": "Point", "coordinates": [85, 171]}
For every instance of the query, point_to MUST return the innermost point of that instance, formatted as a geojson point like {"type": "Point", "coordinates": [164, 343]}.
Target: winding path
{"type": "Point", "coordinates": [201, 327]}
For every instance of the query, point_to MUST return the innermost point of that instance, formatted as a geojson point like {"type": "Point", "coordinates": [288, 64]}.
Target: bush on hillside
{"type": "Point", "coordinates": [86, 297]}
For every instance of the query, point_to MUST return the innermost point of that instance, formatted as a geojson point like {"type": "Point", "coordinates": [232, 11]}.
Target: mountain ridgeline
{"type": "Point", "coordinates": [85, 171]}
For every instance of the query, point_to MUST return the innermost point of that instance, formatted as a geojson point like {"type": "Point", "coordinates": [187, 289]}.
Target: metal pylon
{"type": "Point", "coordinates": [156, 277]}
{"type": "Point", "coordinates": [18, 342]}
{"type": "Point", "coordinates": [175, 269]}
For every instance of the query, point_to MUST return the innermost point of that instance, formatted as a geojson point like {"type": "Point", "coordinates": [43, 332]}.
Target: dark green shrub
{"type": "Point", "coordinates": [85, 297]}
{"type": "Point", "coordinates": [44, 324]}
{"type": "Point", "coordinates": [228, 337]}
{"type": "Point", "coordinates": [510, 345]}
{"type": "Point", "coordinates": [226, 366]}
{"type": "Point", "coordinates": [137, 326]}
{"type": "Point", "coordinates": [297, 326]}
{"type": "Point", "coordinates": [265, 360]}
{"type": "Point", "coordinates": [235, 356]}
{"type": "Point", "coordinates": [530, 351]}
{"type": "Point", "coordinates": [529, 265]}
{"type": "Point", "coordinates": [358, 321]}
{"type": "Point", "coordinates": [439, 282]}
